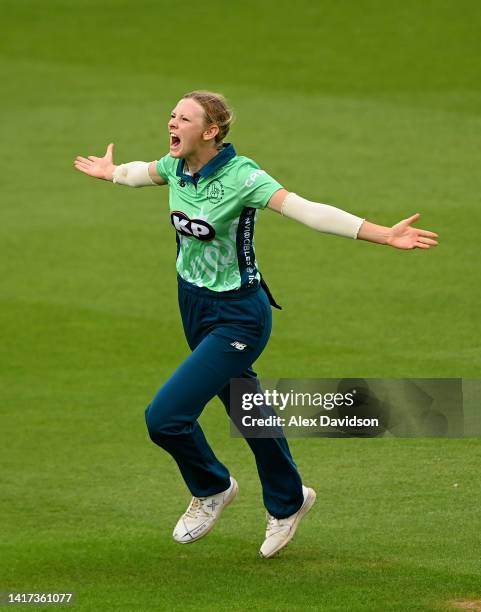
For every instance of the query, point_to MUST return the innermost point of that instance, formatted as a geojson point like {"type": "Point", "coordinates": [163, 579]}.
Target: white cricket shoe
{"type": "Point", "coordinates": [280, 532]}
{"type": "Point", "coordinates": [202, 514]}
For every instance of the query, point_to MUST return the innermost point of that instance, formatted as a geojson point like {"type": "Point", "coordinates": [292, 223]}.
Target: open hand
{"type": "Point", "coordinates": [99, 167]}
{"type": "Point", "coordinates": [403, 236]}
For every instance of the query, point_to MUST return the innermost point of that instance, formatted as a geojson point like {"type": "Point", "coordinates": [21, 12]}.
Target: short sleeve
{"type": "Point", "coordinates": [164, 167]}
{"type": "Point", "coordinates": [256, 187]}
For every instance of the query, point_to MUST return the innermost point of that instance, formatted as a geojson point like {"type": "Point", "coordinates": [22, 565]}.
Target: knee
{"type": "Point", "coordinates": [155, 423]}
{"type": "Point", "coordinates": [160, 425]}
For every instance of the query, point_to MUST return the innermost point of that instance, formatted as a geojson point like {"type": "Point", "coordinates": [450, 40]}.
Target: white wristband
{"type": "Point", "coordinates": [133, 174]}
{"type": "Point", "coordinates": [321, 217]}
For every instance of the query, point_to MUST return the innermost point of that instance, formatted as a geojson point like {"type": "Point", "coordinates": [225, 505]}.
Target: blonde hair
{"type": "Point", "coordinates": [216, 110]}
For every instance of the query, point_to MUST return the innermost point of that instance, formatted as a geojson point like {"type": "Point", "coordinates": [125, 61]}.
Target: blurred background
{"type": "Point", "coordinates": [370, 106]}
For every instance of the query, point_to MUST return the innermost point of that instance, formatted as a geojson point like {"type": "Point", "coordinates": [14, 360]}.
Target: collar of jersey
{"type": "Point", "coordinates": [224, 156]}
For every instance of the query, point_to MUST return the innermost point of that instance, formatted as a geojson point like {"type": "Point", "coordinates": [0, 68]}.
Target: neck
{"type": "Point", "coordinates": [196, 160]}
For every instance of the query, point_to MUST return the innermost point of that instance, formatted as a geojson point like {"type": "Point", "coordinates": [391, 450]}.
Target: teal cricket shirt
{"type": "Point", "coordinates": [213, 213]}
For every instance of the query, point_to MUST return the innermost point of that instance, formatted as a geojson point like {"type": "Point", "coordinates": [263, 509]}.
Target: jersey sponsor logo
{"type": "Point", "coordinates": [215, 191]}
{"type": "Point", "coordinates": [240, 346]}
{"type": "Point", "coordinates": [195, 228]}
{"type": "Point", "coordinates": [253, 176]}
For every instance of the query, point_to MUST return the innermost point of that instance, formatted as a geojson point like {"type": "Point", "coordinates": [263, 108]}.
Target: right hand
{"type": "Point", "coordinates": [99, 167]}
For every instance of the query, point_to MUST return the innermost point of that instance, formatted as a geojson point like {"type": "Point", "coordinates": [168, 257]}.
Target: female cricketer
{"type": "Point", "coordinates": [214, 195]}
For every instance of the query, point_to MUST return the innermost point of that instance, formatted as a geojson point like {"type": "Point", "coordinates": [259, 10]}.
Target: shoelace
{"type": "Point", "coordinates": [196, 508]}
{"type": "Point", "coordinates": [273, 523]}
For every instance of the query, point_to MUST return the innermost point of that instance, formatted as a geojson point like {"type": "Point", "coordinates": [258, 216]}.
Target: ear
{"type": "Point", "coordinates": [211, 132]}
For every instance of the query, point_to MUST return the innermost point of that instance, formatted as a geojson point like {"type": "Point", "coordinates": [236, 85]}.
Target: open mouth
{"type": "Point", "coordinates": [174, 141]}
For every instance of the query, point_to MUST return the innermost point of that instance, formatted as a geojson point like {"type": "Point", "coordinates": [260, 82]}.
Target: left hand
{"type": "Point", "coordinates": [403, 236]}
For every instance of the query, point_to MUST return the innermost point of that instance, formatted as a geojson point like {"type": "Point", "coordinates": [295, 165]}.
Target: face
{"type": "Point", "coordinates": [187, 129]}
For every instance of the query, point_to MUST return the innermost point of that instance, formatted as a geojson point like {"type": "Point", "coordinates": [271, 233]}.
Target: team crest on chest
{"type": "Point", "coordinates": [215, 191]}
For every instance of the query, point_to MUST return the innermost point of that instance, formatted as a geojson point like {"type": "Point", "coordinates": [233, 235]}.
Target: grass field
{"type": "Point", "coordinates": [372, 106]}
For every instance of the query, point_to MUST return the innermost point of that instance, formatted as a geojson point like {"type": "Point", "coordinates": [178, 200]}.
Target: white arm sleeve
{"type": "Point", "coordinates": [133, 174]}
{"type": "Point", "coordinates": [321, 217]}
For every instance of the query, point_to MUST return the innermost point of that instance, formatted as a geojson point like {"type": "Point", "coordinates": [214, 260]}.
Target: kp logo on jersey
{"type": "Point", "coordinates": [195, 228]}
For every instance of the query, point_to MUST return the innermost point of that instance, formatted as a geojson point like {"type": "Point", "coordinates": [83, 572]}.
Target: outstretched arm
{"type": "Point", "coordinates": [134, 174]}
{"type": "Point", "coordinates": [326, 218]}
{"type": "Point", "coordinates": [402, 235]}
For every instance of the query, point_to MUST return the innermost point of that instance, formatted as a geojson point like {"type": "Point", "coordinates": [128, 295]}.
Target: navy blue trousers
{"type": "Point", "coordinates": [212, 322]}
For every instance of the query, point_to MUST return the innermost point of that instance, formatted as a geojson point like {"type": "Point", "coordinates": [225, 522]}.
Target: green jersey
{"type": "Point", "coordinates": [213, 213]}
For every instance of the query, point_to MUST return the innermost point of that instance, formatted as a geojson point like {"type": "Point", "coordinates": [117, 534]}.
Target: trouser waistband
{"type": "Point", "coordinates": [222, 295]}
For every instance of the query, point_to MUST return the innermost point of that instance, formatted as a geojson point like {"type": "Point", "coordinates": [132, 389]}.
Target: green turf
{"type": "Point", "coordinates": [370, 105]}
